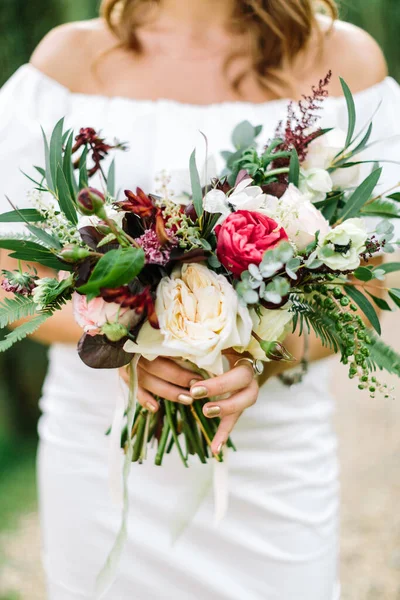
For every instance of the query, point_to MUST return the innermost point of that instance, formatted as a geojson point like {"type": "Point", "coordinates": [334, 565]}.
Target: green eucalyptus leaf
{"type": "Point", "coordinates": [56, 145]}
{"type": "Point", "coordinates": [395, 197]}
{"type": "Point", "coordinates": [68, 166]}
{"type": "Point", "coordinates": [46, 238]}
{"type": "Point", "coordinates": [49, 179]}
{"type": "Point", "coordinates": [243, 135]}
{"type": "Point", "coordinates": [390, 267]}
{"type": "Point", "coordinates": [363, 274]}
{"type": "Point", "coordinates": [65, 200]}
{"type": "Point", "coordinates": [111, 187]}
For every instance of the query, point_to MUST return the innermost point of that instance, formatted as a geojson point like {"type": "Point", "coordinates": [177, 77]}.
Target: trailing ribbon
{"type": "Point", "coordinates": [221, 488]}
{"type": "Point", "coordinates": [107, 574]}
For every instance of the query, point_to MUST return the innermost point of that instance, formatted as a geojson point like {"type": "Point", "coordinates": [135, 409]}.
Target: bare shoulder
{"type": "Point", "coordinates": [351, 53]}
{"type": "Point", "coordinates": [67, 52]}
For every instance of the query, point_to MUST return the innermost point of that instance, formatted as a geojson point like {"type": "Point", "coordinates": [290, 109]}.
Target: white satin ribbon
{"type": "Point", "coordinates": [107, 574]}
{"type": "Point", "coordinates": [221, 488]}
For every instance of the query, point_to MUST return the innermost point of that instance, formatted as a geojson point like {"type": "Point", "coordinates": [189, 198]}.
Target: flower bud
{"type": "Point", "coordinates": [276, 351]}
{"type": "Point", "coordinates": [114, 331]}
{"type": "Point", "coordinates": [191, 212]}
{"type": "Point", "coordinates": [72, 254]}
{"type": "Point", "coordinates": [91, 202]}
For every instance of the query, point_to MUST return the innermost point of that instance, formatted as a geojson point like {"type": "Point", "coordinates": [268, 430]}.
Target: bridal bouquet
{"type": "Point", "coordinates": [277, 243]}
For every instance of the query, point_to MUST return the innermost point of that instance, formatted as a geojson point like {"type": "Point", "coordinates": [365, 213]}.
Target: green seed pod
{"type": "Point", "coordinates": [344, 301]}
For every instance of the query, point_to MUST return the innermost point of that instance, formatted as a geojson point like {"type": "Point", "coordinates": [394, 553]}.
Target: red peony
{"type": "Point", "coordinates": [243, 238]}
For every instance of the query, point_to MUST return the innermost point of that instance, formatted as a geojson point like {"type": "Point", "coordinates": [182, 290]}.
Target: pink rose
{"type": "Point", "coordinates": [243, 238]}
{"type": "Point", "coordinates": [91, 316]}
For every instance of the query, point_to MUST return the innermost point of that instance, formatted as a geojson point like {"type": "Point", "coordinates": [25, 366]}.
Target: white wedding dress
{"type": "Point", "coordinates": [279, 540]}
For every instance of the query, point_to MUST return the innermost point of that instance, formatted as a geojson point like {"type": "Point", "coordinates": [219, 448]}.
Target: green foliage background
{"type": "Point", "coordinates": [22, 24]}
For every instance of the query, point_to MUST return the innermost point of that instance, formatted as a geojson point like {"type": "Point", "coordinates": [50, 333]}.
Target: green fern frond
{"type": "Point", "coordinates": [15, 309]}
{"type": "Point", "coordinates": [20, 237]}
{"type": "Point", "coordinates": [308, 316]}
{"type": "Point", "coordinates": [382, 356]}
{"type": "Point", "coordinates": [23, 331]}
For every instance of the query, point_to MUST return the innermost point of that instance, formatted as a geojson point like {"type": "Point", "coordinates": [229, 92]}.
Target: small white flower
{"type": "Point", "coordinates": [321, 154]}
{"type": "Point", "coordinates": [316, 183]}
{"type": "Point", "coordinates": [116, 215]}
{"type": "Point", "coordinates": [340, 249]}
{"type": "Point", "coordinates": [244, 197]}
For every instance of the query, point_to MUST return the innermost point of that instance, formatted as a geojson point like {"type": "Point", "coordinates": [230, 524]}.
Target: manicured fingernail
{"type": "Point", "coordinates": [151, 407]}
{"type": "Point", "coordinates": [213, 411]}
{"type": "Point", "coordinates": [193, 382]}
{"type": "Point", "coordinates": [219, 448]}
{"type": "Point", "coordinates": [185, 399]}
{"type": "Point", "coordinates": [199, 392]}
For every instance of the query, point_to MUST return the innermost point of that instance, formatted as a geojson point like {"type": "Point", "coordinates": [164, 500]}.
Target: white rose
{"type": "Point", "coordinates": [199, 315]}
{"type": "Point", "coordinates": [298, 216]}
{"type": "Point", "coordinates": [244, 197]}
{"type": "Point", "coordinates": [321, 153]}
{"type": "Point", "coordinates": [273, 326]}
{"type": "Point", "coordinates": [316, 183]}
{"type": "Point", "coordinates": [340, 249]}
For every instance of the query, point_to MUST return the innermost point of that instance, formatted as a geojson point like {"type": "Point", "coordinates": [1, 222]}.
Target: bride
{"type": "Point", "coordinates": [154, 73]}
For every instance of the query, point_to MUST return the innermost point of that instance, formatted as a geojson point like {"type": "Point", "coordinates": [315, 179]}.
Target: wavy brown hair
{"type": "Point", "coordinates": [278, 31]}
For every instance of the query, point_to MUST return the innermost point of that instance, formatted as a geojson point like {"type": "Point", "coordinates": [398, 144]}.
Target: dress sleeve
{"type": "Point", "coordinates": [28, 101]}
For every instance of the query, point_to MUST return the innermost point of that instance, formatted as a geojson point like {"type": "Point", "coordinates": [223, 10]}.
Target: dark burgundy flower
{"type": "Point", "coordinates": [99, 148]}
{"type": "Point", "coordinates": [140, 204]}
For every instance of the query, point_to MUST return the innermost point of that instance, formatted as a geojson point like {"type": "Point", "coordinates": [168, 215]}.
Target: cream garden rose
{"type": "Point", "coordinates": [340, 249]}
{"type": "Point", "coordinates": [199, 315]}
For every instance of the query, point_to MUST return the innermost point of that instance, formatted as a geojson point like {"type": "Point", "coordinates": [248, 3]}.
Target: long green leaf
{"type": "Point", "coordinates": [116, 268]}
{"type": "Point", "coordinates": [196, 185]}
{"type": "Point", "coordinates": [65, 200]}
{"type": "Point", "coordinates": [361, 195]}
{"type": "Point", "coordinates": [380, 302]}
{"type": "Point", "coordinates": [394, 293]}
{"type": "Point", "coordinates": [83, 172]}
{"type": "Point", "coordinates": [294, 168]}
{"type": "Point", "coordinates": [30, 251]}
{"type": "Point", "coordinates": [395, 196]}
{"type": "Point", "coordinates": [68, 166]}
{"type": "Point", "coordinates": [14, 309]}
{"type": "Point", "coordinates": [351, 111]}
{"type": "Point", "coordinates": [46, 238]}
{"type": "Point", "coordinates": [49, 179]}
{"type": "Point", "coordinates": [56, 150]}
{"type": "Point", "coordinates": [365, 305]}
{"type": "Point", "coordinates": [23, 331]}
{"type": "Point", "coordinates": [390, 267]}
{"type": "Point", "coordinates": [23, 215]}
{"type": "Point", "coordinates": [111, 179]}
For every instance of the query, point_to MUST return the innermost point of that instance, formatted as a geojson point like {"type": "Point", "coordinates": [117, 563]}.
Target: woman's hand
{"type": "Point", "coordinates": [243, 388]}
{"type": "Point", "coordinates": [164, 378]}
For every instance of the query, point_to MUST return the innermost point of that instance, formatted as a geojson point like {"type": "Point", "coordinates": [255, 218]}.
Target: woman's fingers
{"type": "Point", "coordinates": [146, 400]}
{"type": "Point", "coordinates": [170, 371]}
{"type": "Point", "coordinates": [232, 381]}
{"type": "Point", "coordinates": [237, 403]}
{"type": "Point", "coordinates": [224, 431]}
{"type": "Point", "coordinates": [162, 388]}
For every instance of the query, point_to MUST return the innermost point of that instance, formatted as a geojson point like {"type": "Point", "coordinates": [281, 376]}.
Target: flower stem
{"type": "Point", "coordinates": [163, 443]}
{"type": "Point", "coordinates": [168, 411]}
{"type": "Point", "coordinates": [204, 432]}
{"type": "Point", "coordinates": [274, 172]}
{"type": "Point", "coordinates": [139, 437]}
{"type": "Point", "coordinates": [143, 452]}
